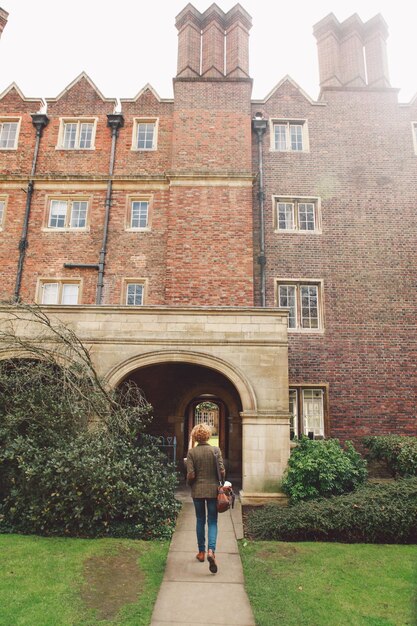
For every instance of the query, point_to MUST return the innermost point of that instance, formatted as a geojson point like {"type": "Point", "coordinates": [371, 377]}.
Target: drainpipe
{"type": "Point", "coordinates": [259, 125]}
{"type": "Point", "coordinates": [39, 120]}
{"type": "Point", "coordinates": [115, 121]}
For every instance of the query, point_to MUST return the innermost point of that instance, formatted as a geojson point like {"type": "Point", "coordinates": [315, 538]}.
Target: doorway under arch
{"type": "Point", "coordinates": [182, 393]}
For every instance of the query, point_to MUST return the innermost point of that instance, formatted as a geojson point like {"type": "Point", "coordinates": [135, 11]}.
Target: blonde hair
{"type": "Point", "coordinates": [200, 433]}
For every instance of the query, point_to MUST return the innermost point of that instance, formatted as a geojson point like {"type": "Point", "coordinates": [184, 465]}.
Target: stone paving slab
{"type": "Point", "coordinates": [184, 567]}
{"type": "Point", "coordinates": [200, 603]}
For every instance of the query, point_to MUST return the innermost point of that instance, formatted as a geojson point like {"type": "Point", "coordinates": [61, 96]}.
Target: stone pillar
{"type": "Point", "coordinates": [266, 449]}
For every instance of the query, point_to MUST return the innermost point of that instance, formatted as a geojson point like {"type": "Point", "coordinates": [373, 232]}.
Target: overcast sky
{"type": "Point", "coordinates": [124, 44]}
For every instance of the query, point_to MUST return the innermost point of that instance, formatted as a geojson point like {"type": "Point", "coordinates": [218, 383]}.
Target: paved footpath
{"type": "Point", "coordinates": [190, 594]}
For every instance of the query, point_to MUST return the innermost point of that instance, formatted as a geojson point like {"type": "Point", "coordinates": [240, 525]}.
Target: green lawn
{"type": "Point", "coordinates": [330, 584]}
{"type": "Point", "coordinates": [78, 582]}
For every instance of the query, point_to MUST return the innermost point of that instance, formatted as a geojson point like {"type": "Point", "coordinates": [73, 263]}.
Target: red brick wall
{"type": "Point", "coordinates": [209, 245]}
{"type": "Point", "coordinates": [363, 166]}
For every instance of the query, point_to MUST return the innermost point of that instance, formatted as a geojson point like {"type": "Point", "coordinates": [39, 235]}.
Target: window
{"type": "Point", "coordinates": [289, 136]}
{"type": "Point", "coordinates": [66, 213]}
{"type": "Point", "coordinates": [135, 293]}
{"type": "Point", "coordinates": [59, 292]}
{"type": "Point", "coordinates": [9, 130]}
{"type": "Point", "coordinates": [303, 302]}
{"type": "Point", "coordinates": [145, 134]}
{"type": "Point", "coordinates": [139, 213]}
{"type": "Point", "coordinates": [297, 214]}
{"type": "Point", "coordinates": [307, 411]}
{"type": "Point", "coordinates": [77, 134]}
{"type": "Point", "coordinates": [2, 211]}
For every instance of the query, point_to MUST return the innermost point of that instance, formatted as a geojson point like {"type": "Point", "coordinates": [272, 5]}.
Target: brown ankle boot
{"type": "Point", "coordinates": [212, 560]}
{"type": "Point", "coordinates": [200, 556]}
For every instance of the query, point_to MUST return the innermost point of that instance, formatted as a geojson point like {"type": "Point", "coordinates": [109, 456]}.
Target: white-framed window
{"type": "Point", "coordinates": [307, 407]}
{"type": "Point", "coordinates": [139, 214]}
{"type": "Point", "coordinates": [289, 136]}
{"type": "Point", "coordinates": [77, 134]}
{"type": "Point", "coordinates": [2, 211]}
{"type": "Point", "coordinates": [296, 214]}
{"type": "Point", "coordinates": [9, 133]}
{"type": "Point", "coordinates": [66, 213]}
{"type": "Point", "coordinates": [59, 292]}
{"type": "Point", "coordinates": [134, 293]}
{"type": "Point", "coordinates": [145, 134]}
{"type": "Point", "coordinates": [414, 129]}
{"type": "Point", "coordinates": [304, 302]}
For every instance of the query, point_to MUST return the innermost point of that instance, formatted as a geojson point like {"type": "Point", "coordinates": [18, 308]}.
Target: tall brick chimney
{"type": "Point", "coordinates": [3, 19]}
{"type": "Point", "coordinates": [352, 53]}
{"type": "Point", "coordinates": [213, 44]}
{"type": "Point", "coordinates": [375, 38]}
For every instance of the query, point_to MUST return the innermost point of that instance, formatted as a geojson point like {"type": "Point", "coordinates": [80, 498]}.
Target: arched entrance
{"type": "Point", "coordinates": [183, 394]}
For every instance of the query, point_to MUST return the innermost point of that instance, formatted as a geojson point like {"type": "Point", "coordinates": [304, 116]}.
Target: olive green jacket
{"type": "Point", "coordinates": [201, 464]}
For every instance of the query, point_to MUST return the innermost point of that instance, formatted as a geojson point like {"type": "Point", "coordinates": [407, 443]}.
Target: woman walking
{"type": "Point", "coordinates": [202, 476]}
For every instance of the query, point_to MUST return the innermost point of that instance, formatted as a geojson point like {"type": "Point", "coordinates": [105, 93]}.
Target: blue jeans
{"type": "Point", "coordinates": [200, 512]}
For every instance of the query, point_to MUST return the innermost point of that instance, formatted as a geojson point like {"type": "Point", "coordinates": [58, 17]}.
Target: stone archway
{"type": "Point", "coordinates": [174, 386]}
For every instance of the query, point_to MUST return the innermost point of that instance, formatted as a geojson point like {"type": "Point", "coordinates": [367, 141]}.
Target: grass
{"type": "Point", "coordinates": [61, 581]}
{"type": "Point", "coordinates": [331, 584]}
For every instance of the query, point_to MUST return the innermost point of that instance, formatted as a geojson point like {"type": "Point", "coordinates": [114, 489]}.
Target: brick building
{"type": "Point", "coordinates": [235, 257]}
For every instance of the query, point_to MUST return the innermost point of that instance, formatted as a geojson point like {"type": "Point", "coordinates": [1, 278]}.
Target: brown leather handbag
{"type": "Point", "coordinates": [225, 495]}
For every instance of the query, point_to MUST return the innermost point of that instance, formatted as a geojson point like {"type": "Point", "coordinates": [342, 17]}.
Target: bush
{"type": "Point", "coordinates": [379, 513]}
{"type": "Point", "coordinates": [399, 453]}
{"type": "Point", "coordinates": [322, 468]}
{"type": "Point", "coordinates": [74, 459]}
{"type": "Point", "coordinates": [95, 485]}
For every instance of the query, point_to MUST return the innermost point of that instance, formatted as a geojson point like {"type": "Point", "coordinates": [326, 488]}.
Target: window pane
{"type": "Point", "coordinates": [286, 299]}
{"type": "Point", "coordinates": [139, 215]}
{"type": "Point", "coordinates": [69, 294]}
{"type": "Point", "coordinates": [49, 293]}
{"type": "Point", "coordinates": [58, 213]}
{"type": "Point", "coordinates": [313, 414]}
{"type": "Point", "coordinates": [134, 294]}
{"type": "Point", "coordinates": [78, 214]}
{"type": "Point", "coordinates": [293, 413]}
{"type": "Point", "coordinates": [296, 136]}
{"type": "Point", "coordinates": [2, 205]}
{"type": "Point", "coordinates": [86, 135]}
{"type": "Point", "coordinates": [285, 216]}
{"type": "Point", "coordinates": [280, 132]}
{"type": "Point", "coordinates": [306, 216]}
{"type": "Point", "coordinates": [70, 135]}
{"type": "Point", "coordinates": [8, 132]}
{"type": "Point", "coordinates": [309, 306]}
{"type": "Point", "coordinates": [146, 133]}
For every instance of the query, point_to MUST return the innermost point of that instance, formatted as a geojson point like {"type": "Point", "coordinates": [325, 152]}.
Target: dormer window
{"type": "Point", "coordinates": [9, 131]}
{"type": "Point", "coordinates": [77, 134]}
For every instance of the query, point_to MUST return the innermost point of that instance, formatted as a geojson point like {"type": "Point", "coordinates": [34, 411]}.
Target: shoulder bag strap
{"type": "Point", "coordinates": [218, 467]}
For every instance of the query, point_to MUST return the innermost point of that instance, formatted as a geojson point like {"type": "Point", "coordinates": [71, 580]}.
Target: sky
{"type": "Point", "coordinates": [125, 44]}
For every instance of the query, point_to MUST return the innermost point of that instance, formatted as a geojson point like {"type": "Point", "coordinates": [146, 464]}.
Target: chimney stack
{"type": "Point", "coordinates": [352, 53]}
{"type": "Point", "coordinates": [213, 44]}
{"type": "Point", "coordinates": [3, 19]}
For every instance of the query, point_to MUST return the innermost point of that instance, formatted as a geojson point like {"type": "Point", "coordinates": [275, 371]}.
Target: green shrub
{"type": "Point", "coordinates": [322, 468]}
{"type": "Point", "coordinates": [93, 486]}
{"type": "Point", "coordinates": [58, 474]}
{"type": "Point", "coordinates": [399, 453]}
{"type": "Point", "coordinates": [378, 513]}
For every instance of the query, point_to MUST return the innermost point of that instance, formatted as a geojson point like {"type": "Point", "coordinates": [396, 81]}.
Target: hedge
{"type": "Point", "coordinates": [399, 453]}
{"type": "Point", "coordinates": [377, 513]}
